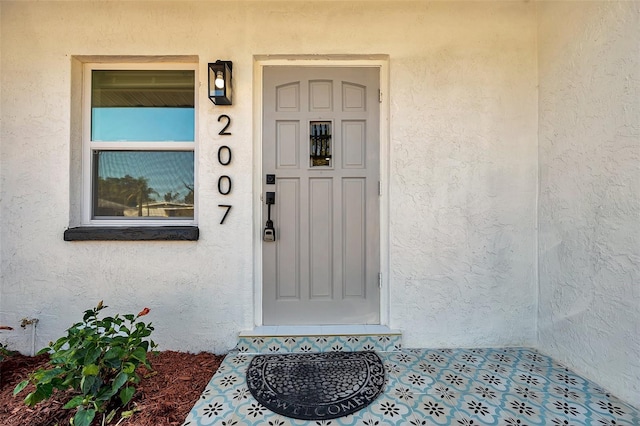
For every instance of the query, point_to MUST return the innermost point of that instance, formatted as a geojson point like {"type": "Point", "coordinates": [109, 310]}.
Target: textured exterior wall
{"type": "Point", "coordinates": [463, 165]}
{"type": "Point", "coordinates": [463, 178]}
{"type": "Point", "coordinates": [589, 314]}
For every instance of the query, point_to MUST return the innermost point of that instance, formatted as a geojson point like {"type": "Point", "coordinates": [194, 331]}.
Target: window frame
{"type": "Point", "coordinates": [89, 146]}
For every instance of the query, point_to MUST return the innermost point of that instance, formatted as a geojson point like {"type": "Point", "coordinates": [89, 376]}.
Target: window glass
{"type": "Point", "coordinates": [143, 184]}
{"type": "Point", "coordinates": [142, 105]}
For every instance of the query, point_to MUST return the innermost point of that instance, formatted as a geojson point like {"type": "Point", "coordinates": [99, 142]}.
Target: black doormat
{"type": "Point", "coordinates": [316, 386]}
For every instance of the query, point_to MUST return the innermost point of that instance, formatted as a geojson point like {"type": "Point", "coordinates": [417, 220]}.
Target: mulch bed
{"type": "Point", "coordinates": [162, 398]}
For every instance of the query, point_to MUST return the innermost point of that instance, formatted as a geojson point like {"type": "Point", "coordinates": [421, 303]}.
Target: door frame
{"type": "Point", "coordinates": [378, 61]}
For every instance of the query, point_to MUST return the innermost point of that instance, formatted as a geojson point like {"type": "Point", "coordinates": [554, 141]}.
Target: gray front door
{"type": "Point", "coordinates": [321, 141]}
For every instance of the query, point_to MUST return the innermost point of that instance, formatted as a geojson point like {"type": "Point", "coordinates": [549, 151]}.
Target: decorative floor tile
{"type": "Point", "coordinates": [486, 393]}
{"type": "Point", "coordinates": [566, 378]}
{"type": "Point", "coordinates": [457, 382]}
{"type": "Point", "coordinates": [467, 370]}
{"type": "Point", "coordinates": [446, 395]}
{"type": "Point", "coordinates": [254, 344]}
{"type": "Point", "coordinates": [495, 381]}
{"type": "Point", "coordinates": [529, 409]}
{"type": "Point", "coordinates": [470, 360]}
{"type": "Point", "coordinates": [479, 409]}
{"type": "Point", "coordinates": [390, 409]}
{"type": "Point", "coordinates": [511, 418]}
{"type": "Point", "coordinates": [306, 344]}
{"type": "Point", "coordinates": [432, 410]}
{"type": "Point", "coordinates": [610, 421]}
{"type": "Point", "coordinates": [610, 409]}
{"type": "Point", "coordinates": [369, 419]}
{"type": "Point", "coordinates": [417, 382]}
{"type": "Point", "coordinates": [570, 410]}
{"type": "Point", "coordinates": [439, 358]}
{"type": "Point", "coordinates": [426, 387]}
{"type": "Point", "coordinates": [567, 393]}
{"type": "Point", "coordinates": [332, 340]}
{"type": "Point", "coordinates": [465, 419]}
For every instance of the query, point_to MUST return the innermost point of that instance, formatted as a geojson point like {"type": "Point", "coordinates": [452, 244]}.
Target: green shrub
{"type": "Point", "coordinates": [98, 360]}
{"type": "Point", "coordinates": [4, 352]}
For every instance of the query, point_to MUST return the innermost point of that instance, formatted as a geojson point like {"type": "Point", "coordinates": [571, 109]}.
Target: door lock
{"type": "Point", "coordinates": [269, 233]}
{"type": "Point", "coordinates": [270, 198]}
{"type": "Point", "coordinates": [271, 179]}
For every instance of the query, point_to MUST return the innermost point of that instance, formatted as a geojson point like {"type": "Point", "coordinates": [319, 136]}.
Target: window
{"type": "Point", "coordinates": [139, 144]}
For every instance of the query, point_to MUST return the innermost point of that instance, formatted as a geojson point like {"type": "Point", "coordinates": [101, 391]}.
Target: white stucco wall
{"type": "Point", "coordinates": [589, 314]}
{"type": "Point", "coordinates": [463, 178]}
{"type": "Point", "coordinates": [463, 165]}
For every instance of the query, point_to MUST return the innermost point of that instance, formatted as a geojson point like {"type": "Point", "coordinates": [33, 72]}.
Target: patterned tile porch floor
{"type": "Point", "coordinates": [463, 387]}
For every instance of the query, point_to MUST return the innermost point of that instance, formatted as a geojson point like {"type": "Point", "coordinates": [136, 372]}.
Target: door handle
{"type": "Point", "coordinates": [269, 233]}
{"type": "Point", "coordinates": [270, 198]}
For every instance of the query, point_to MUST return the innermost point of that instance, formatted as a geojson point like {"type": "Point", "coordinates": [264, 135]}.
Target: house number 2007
{"type": "Point", "coordinates": [224, 159]}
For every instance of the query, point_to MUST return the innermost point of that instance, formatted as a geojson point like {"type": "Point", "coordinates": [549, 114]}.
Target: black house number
{"type": "Point", "coordinates": [224, 159]}
{"type": "Point", "coordinates": [224, 132]}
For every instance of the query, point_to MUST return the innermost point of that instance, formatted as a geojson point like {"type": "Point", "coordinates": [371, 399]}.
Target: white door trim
{"type": "Point", "coordinates": [379, 61]}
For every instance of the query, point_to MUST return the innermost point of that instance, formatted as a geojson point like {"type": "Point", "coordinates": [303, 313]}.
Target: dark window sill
{"type": "Point", "coordinates": [134, 233]}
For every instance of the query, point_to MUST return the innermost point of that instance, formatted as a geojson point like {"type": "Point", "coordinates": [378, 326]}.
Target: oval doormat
{"type": "Point", "coordinates": [316, 386]}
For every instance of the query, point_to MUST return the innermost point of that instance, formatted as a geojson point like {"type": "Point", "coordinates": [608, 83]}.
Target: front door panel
{"type": "Point", "coordinates": [321, 141]}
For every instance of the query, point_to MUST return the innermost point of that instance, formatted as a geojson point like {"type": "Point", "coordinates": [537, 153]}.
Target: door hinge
{"type": "Point", "coordinates": [379, 96]}
{"type": "Point", "coordinates": [379, 188]}
{"type": "Point", "coordinates": [379, 279]}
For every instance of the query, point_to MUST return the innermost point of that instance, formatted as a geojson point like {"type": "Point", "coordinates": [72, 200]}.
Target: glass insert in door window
{"type": "Point", "coordinates": [320, 143]}
{"type": "Point", "coordinates": [143, 184]}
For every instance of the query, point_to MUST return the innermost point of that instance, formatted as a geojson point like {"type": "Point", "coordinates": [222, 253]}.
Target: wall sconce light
{"type": "Point", "coordinates": [220, 87]}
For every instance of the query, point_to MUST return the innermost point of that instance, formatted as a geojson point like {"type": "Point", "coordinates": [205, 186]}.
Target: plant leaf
{"type": "Point", "coordinates": [120, 380]}
{"type": "Point", "coordinates": [113, 357]}
{"type": "Point", "coordinates": [70, 380]}
{"type": "Point", "coordinates": [113, 353]}
{"type": "Point", "coordinates": [114, 363]}
{"type": "Point", "coordinates": [90, 370]}
{"type": "Point", "coordinates": [88, 314]}
{"type": "Point", "coordinates": [87, 383]}
{"type": "Point", "coordinates": [41, 393]}
{"type": "Point", "coordinates": [92, 356]}
{"type": "Point", "coordinates": [126, 394]}
{"type": "Point", "coordinates": [105, 394]}
{"type": "Point", "coordinates": [23, 384]}
{"type": "Point", "coordinates": [127, 414]}
{"type": "Point", "coordinates": [44, 351]}
{"type": "Point", "coordinates": [110, 416]}
{"type": "Point", "coordinates": [84, 417]}
{"type": "Point", "coordinates": [45, 376]}
{"type": "Point", "coordinates": [140, 354]}
{"type": "Point", "coordinates": [74, 402]}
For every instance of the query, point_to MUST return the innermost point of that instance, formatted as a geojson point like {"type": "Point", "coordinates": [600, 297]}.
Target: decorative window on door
{"type": "Point", "coordinates": [320, 143]}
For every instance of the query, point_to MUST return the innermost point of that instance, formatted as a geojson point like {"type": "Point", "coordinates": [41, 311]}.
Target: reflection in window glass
{"type": "Point", "coordinates": [142, 105]}
{"type": "Point", "coordinates": [146, 184]}
{"type": "Point", "coordinates": [142, 124]}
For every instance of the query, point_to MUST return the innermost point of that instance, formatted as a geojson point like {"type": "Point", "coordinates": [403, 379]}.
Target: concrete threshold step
{"type": "Point", "coordinates": [290, 339]}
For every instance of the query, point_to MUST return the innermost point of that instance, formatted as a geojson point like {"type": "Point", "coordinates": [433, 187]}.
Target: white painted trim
{"type": "Point", "coordinates": [319, 330]}
{"type": "Point", "coordinates": [379, 61]}
{"type": "Point", "coordinates": [385, 153]}
{"type": "Point", "coordinates": [257, 191]}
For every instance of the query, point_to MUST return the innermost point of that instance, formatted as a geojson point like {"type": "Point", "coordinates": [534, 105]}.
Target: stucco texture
{"type": "Point", "coordinates": [590, 190]}
{"type": "Point", "coordinates": [462, 176]}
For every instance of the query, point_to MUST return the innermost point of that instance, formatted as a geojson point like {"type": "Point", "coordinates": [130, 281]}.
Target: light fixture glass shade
{"type": "Point", "coordinates": [220, 87]}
